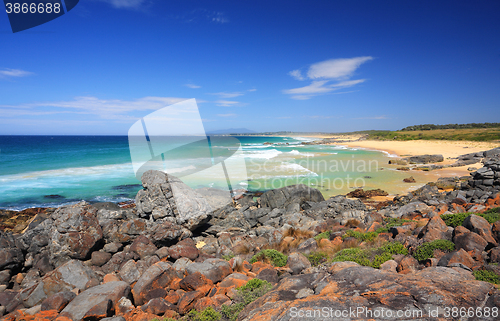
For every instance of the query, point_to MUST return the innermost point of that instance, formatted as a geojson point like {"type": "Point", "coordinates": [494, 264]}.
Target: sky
{"type": "Point", "coordinates": [303, 66]}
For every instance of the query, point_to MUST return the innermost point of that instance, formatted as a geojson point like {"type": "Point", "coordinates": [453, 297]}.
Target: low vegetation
{"type": "Point", "coordinates": [360, 236]}
{"type": "Point", "coordinates": [426, 250]}
{"type": "Point", "coordinates": [274, 257]}
{"type": "Point", "coordinates": [457, 219]}
{"type": "Point", "coordinates": [487, 276]}
{"type": "Point", "coordinates": [246, 294]}
{"type": "Point", "coordinates": [373, 257]}
{"type": "Point", "coordinates": [467, 134]}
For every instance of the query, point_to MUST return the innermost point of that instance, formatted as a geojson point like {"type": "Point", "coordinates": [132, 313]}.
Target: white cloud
{"type": "Point", "coordinates": [373, 117]}
{"type": "Point", "coordinates": [192, 86]}
{"type": "Point", "coordinates": [296, 74]}
{"type": "Point", "coordinates": [339, 70]}
{"type": "Point", "coordinates": [14, 73]}
{"type": "Point", "coordinates": [104, 108]}
{"type": "Point", "coordinates": [253, 89]}
{"type": "Point", "coordinates": [228, 95]}
{"type": "Point", "coordinates": [129, 4]}
{"type": "Point", "coordinates": [226, 115]}
{"type": "Point", "coordinates": [336, 68]}
{"type": "Point", "coordinates": [226, 103]}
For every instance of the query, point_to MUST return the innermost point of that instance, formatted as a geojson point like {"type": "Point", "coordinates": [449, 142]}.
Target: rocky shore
{"type": "Point", "coordinates": [284, 255]}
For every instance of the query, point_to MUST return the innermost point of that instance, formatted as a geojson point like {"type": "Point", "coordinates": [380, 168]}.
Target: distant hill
{"type": "Point", "coordinates": [231, 131]}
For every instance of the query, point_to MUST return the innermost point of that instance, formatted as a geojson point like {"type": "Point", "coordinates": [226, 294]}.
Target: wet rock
{"type": "Point", "coordinates": [96, 302]}
{"type": "Point", "coordinates": [167, 197]}
{"type": "Point", "coordinates": [410, 179]}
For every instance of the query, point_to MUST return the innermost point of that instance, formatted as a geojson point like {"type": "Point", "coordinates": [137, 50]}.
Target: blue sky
{"type": "Point", "coordinates": [310, 66]}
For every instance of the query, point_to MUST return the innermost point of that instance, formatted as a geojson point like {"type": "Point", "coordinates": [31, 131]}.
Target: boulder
{"type": "Point", "coordinates": [183, 250]}
{"type": "Point", "coordinates": [100, 258]}
{"type": "Point", "coordinates": [287, 196]}
{"type": "Point", "coordinates": [69, 276]}
{"type": "Point", "coordinates": [96, 302]}
{"type": "Point", "coordinates": [339, 208]}
{"type": "Point", "coordinates": [143, 247]}
{"type": "Point", "coordinates": [213, 269]}
{"type": "Point", "coordinates": [436, 229]}
{"type": "Point", "coordinates": [74, 233]}
{"type": "Point", "coordinates": [10, 255]}
{"type": "Point", "coordinates": [153, 282]}
{"type": "Point", "coordinates": [167, 197]}
{"type": "Point", "coordinates": [413, 207]}
{"type": "Point", "coordinates": [470, 242]}
{"type": "Point", "coordinates": [479, 225]}
{"type": "Point", "coordinates": [425, 159]}
{"type": "Point", "coordinates": [297, 262]}
{"type": "Point", "coordinates": [457, 257]}
{"type": "Point", "coordinates": [158, 306]}
{"type": "Point", "coordinates": [58, 301]}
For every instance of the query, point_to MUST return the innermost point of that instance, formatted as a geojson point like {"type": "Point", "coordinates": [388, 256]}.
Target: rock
{"type": "Point", "coordinates": [410, 179]}
{"type": "Point", "coordinates": [167, 197]}
{"type": "Point", "coordinates": [425, 159]}
{"type": "Point", "coordinates": [470, 242]}
{"type": "Point", "coordinates": [10, 255]}
{"type": "Point", "coordinates": [286, 196]}
{"type": "Point", "coordinates": [58, 301]}
{"type": "Point", "coordinates": [183, 250]}
{"type": "Point", "coordinates": [187, 300]}
{"type": "Point", "coordinates": [360, 193]}
{"type": "Point", "coordinates": [269, 274]}
{"type": "Point", "coordinates": [357, 286]}
{"type": "Point", "coordinates": [112, 247]}
{"type": "Point", "coordinates": [435, 229]}
{"type": "Point", "coordinates": [338, 208]}
{"type": "Point", "coordinates": [158, 306]}
{"type": "Point", "coordinates": [479, 225]}
{"type": "Point", "coordinates": [74, 233]}
{"type": "Point", "coordinates": [297, 262]}
{"type": "Point", "coordinates": [460, 257]}
{"type": "Point", "coordinates": [69, 276]}
{"type": "Point", "coordinates": [389, 266]}
{"type": "Point", "coordinates": [308, 246]}
{"type": "Point", "coordinates": [495, 255]}
{"type": "Point", "coordinates": [96, 302]}
{"type": "Point", "coordinates": [153, 282]}
{"type": "Point", "coordinates": [213, 269]}
{"type": "Point", "coordinates": [398, 162]}
{"type": "Point", "coordinates": [129, 272]}
{"type": "Point", "coordinates": [100, 258]}
{"type": "Point", "coordinates": [143, 247]}
{"type": "Point", "coordinates": [194, 281]}
{"type": "Point", "coordinates": [407, 265]}
{"type": "Point", "coordinates": [413, 207]}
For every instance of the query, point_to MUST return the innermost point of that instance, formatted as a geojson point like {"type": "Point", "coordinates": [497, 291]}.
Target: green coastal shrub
{"type": "Point", "coordinates": [371, 257]}
{"type": "Point", "coordinates": [487, 276]}
{"type": "Point", "coordinates": [360, 236]}
{"type": "Point", "coordinates": [323, 235]}
{"type": "Point", "coordinates": [426, 250]}
{"type": "Point", "coordinates": [316, 258]}
{"type": "Point", "coordinates": [228, 257]}
{"type": "Point", "coordinates": [246, 294]}
{"type": "Point", "coordinates": [277, 258]}
{"type": "Point", "coordinates": [209, 314]}
{"type": "Point", "coordinates": [455, 220]}
{"type": "Point", "coordinates": [491, 215]}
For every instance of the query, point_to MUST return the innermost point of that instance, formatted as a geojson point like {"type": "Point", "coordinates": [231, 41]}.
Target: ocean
{"type": "Point", "coordinates": [50, 171]}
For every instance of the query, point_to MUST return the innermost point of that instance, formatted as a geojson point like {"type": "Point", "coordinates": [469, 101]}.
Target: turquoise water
{"type": "Point", "coordinates": [38, 171]}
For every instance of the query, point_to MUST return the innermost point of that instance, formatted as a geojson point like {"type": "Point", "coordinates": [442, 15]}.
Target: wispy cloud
{"type": "Point", "coordinates": [327, 76]}
{"type": "Point", "coordinates": [127, 4]}
{"type": "Point", "coordinates": [253, 89]}
{"type": "Point", "coordinates": [7, 73]}
{"type": "Point", "coordinates": [115, 109]}
{"type": "Point", "coordinates": [201, 14]}
{"type": "Point", "coordinates": [226, 115]}
{"type": "Point", "coordinates": [192, 86]}
{"type": "Point", "coordinates": [296, 74]}
{"type": "Point", "coordinates": [227, 103]}
{"type": "Point", "coordinates": [228, 94]}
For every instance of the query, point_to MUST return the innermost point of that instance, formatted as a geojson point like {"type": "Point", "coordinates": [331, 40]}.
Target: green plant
{"type": "Point", "coordinates": [395, 248]}
{"type": "Point", "coordinates": [426, 250]}
{"type": "Point", "coordinates": [392, 222]}
{"type": "Point", "coordinates": [357, 255]}
{"type": "Point", "coordinates": [323, 235]}
{"type": "Point", "coordinates": [228, 257]}
{"type": "Point", "coordinates": [360, 236]}
{"type": "Point", "coordinates": [454, 220]}
{"type": "Point", "coordinates": [232, 311]}
{"type": "Point", "coordinates": [382, 230]}
{"type": "Point", "coordinates": [277, 258]}
{"type": "Point", "coordinates": [373, 257]}
{"type": "Point", "coordinates": [379, 259]}
{"type": "Point", "coordinates": [487, 276]}
{"type": "Point", "coordinates": [209, 314]}
{"type": "Point", "coordinates": [246, 294]}
{"type": "Point", "coordinates": [491, 215]}
{"type": "Point", "coordinates": [316, 258]}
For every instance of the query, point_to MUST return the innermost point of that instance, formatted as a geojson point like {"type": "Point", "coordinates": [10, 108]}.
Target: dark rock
{"type": "Point", "coordinates": [167, 197]}
{"type": "Point", "coordinates": [479, 225]}
{"type": "Point", "coordinates": [143, 247]}
{"type": "Point", "coordinates": [214, 269]}
{"type": "Point", "coordinates": [269, 275]}
{"type": "Point", "coordinates": [107, 206]}
{"type": "Point", "coordinates": [58, 301]}
{"type": "Point", "coordinates": [285, 197]}
{"type": "Point", "coordinates": [183, 250]}
{"type": "Point", "coordinates": [96, 302]}
{"type": "Point", "coordinates": [158, 306]}
{"type": "Point", "coordinates": [460, 256]}
{"type": "Point", "coordinates": [360, 193]}
{"type": "Point", "coordinates": [194, 281]}
{"type": "Point", "coordinates": [338, 208]}
{"type": "Point", "coordinates": [74, 234]}
{"type": "Point", "coordinates": [435, 229]}
{"type": "Point", "coordinates": [410, 179]}
{"type": "Point", "coordinates": [425, 159]}
{"type": "Point", "coordinates": [470, 241]}
{"type": "Point", "coordinates": [100, 258]}
{"type": "Point", "coordinates": [156, 277]}
{"type": "Point", "coordinates": [297, 262]}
